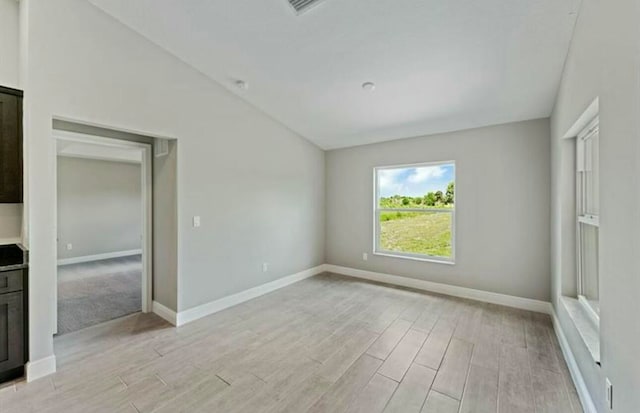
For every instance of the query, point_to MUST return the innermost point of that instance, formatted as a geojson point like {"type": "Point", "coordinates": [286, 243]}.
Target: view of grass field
{"type": "Point", "coordinates": [414, 231]}
{"type": "Point", "coordinates": [426, 233]}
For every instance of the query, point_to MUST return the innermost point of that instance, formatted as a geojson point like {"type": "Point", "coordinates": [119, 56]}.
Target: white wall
{"type": "Point", "coordinates": [99, 207]}
{"type": "Point", "coordinates": [258, 187]}
{"type": "Point", "coordinates": [165, 229]}
{"type": "Point", "coordinates": [10, 223]}
{"type": "Point", "coordinates": [9, 36]}
{"type": "Point", "coordinates": [10, 214]}
{"type": "Point", "coordinates": [604, 62]}
{"type": "Point", "coordinates": [502, 207]}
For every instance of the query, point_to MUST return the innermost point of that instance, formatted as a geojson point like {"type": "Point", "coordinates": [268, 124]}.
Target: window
{"type": "Point", "coordinates": [415, 211]}
{"type": "Point", "coordinates": [588, 208]}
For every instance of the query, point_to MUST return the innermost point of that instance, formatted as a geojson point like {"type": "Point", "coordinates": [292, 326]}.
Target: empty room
{"type": "Point", "coordinates": [319, 206]}
{"type": "Point", "coordinates": [99, 206]}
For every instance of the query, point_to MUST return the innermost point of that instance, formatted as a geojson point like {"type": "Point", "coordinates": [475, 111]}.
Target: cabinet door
{"type": "Point", "coordinates": [10, 148]}
{"type": "Point", "coordinates": [11, 331]}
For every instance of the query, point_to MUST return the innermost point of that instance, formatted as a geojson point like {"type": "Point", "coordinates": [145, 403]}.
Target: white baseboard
{"type": "Point", "coordinates": [98, 257]}
{"type": "Point", "coordinates": [164, 312]}
{"type": "Point", "coordinates": [462, 292]}
{"type": "Point", "coordinates": [192, 314]}
{"type": "Point", "coordinates": [40, 368]}
{"type": "Point", "coordinates": [576, 375]}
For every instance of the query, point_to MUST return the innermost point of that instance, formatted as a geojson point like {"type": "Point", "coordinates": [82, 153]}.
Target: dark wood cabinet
{"type": "Point", "coordinates": [13, 323]}
{"type": "Point", "coordinates": [11, 331]}
{"type": "Point", "coordinates": [11, 174]}
{"type": "Point", "coordinates": [14, 279]}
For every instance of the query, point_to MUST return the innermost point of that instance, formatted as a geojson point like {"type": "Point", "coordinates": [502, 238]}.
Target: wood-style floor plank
{"type": "Point", "coordinates": [385, 344]}
{"type": "Point", "coordinates": [402, 356]}
{"type": "Point", "coordinates": [325, 344]}
{"type": "Point", "coordinates": [440, 403]}
{"type": "Point", "coordinates": [412, 391]}
{"type": "Point", "coordinates": [432, 352]}
{"type": "Point", "coordinates": [375, 396]}
{"type": "Point", "coordinates": [452, 374]}
{"type": "Point", "coordinates": [481, 390]}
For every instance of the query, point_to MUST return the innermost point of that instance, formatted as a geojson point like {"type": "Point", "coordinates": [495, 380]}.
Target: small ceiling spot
{"type": "Point", "coordinates": [369, 86]}
{"type": "Point", "coordinates": [241, 84]}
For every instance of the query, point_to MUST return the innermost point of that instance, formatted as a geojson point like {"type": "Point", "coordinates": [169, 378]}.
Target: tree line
{"type": "Point", "coordinates": [436, 199]}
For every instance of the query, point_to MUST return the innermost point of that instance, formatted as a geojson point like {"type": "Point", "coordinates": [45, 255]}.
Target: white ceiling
{"type": "Point", "coordinates": [438, 65]}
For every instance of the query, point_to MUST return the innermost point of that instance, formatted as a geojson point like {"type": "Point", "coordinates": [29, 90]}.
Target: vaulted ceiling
{"type": "Point", "coordinates": [437, 65]}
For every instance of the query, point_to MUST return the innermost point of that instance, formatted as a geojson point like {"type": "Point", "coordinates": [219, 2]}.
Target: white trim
{"type": "Point", "coordinates": [578, 380]}
{"type": "Point", "coordinates": [591, 313]}
{"type": "Point", "coordinates": [147, 228]}
{"type": "Point", "coordinates": [192, 314]}
{"type": "Point", "coordinates": [98, 257]}
{"type": "Point", "coordinates": [415, 257]}
{"type": "Point", "coordinates": [98, 158]}
{"type": "Point", "coordinates": [40, 368]}
{"type": "Point", "coordinates": [462, 292]}
{"type": "Point", "coordinates": [585, 119]}
{"type": "Point", "coordinates": [164, 312]}
{"type": "Point", "coordinates": [592, 220]}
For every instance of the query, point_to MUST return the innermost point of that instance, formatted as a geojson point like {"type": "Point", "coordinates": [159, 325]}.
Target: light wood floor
{"type": "Point", "coordinates": [326, 344]}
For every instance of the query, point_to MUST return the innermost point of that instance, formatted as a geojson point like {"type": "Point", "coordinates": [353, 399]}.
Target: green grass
{"type": "Point", "coordinates": [426, 233]}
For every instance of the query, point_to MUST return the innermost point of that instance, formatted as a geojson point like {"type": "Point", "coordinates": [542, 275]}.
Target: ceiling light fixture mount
{"type": "Point", "coordinates": [369, 86]}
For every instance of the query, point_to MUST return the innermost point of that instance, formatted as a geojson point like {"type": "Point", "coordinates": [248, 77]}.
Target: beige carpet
{"type": "Point", "coordinates": [94, 292]}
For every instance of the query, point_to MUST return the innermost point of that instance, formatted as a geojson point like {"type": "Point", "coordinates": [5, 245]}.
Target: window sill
{"type": "Point", "coordinates": [409, 257]}
{"type": "Point", "coordinates": [588, 331]}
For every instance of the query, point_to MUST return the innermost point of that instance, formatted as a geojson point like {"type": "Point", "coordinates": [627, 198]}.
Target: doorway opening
{"type": "Point", "coordinates": [104, 229]}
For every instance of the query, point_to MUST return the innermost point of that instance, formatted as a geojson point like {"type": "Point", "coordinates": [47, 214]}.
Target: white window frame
{"type": "Point", "coordinates": [584, 218]}
{"type": "Point", "coordinates": [377, 210]}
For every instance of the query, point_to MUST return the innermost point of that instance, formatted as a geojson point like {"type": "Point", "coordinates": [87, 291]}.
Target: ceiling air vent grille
{"type": "Point", "coordinates": [303, 5]}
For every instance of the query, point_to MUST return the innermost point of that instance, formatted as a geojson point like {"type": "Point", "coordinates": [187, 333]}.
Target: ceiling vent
{"type": "Point", "coordinates": [303, 5]}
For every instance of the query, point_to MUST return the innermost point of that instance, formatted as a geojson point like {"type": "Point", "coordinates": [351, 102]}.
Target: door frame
{"type": "Point", "coordinates": [147, 205]}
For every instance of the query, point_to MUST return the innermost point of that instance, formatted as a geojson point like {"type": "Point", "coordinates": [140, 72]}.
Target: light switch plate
{"type": "Point", "coordinates": [609, 394]}
{"type": "Point", "coordinates": [196, 221]}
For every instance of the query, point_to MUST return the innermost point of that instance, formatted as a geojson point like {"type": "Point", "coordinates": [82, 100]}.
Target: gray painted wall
{"type": "Point", "coordinates": [258, 186]}
{"type": "Point", "coordinates": [502, 246]}
{"type": "Point", "coordinates": [9, 43]}
{"type": "Point", "coordinates": [604, 62]}
{"type": "Point", "coordinates": [165, 228]}
{"type": "Point", "coordinates": [99, 207]}
{"type": "Point", "coordinates": [10, 214]}
{"type": "Point", "coordinates": [10, 223]}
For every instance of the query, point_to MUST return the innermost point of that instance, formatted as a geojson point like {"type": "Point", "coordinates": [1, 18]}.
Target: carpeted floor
{"type": "Point", "coordinates": [94, 292]}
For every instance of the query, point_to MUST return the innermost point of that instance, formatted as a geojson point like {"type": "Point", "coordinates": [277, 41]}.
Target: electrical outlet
{"type": "Point", "coordinates": [196, 221]}
{"type": "Point", "coordinates": [609, 393]}
{"type": "Point", "coordinates": [265, 267]}
{"type": "Point", "coordinates": [69, 247]}
{"type": "Point", "coordinates": [365, 256]}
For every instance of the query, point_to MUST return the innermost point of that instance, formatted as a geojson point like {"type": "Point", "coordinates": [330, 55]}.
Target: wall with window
{"type": "Point", "coordinates": [604, 63]}
{"type": "Point", "coordinates": [502, 191]}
